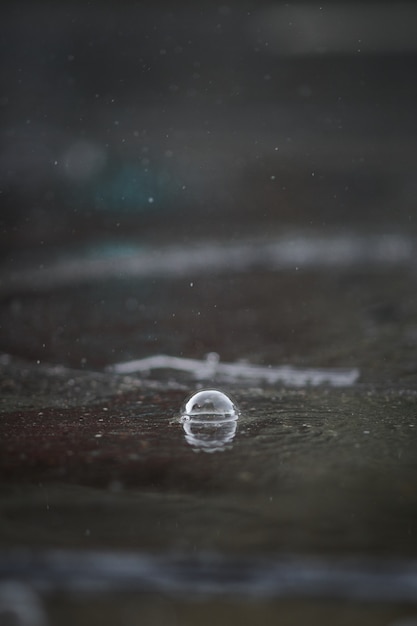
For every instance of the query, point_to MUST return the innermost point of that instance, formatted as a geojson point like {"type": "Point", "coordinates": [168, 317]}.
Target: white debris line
{"type": "Point", "coordinates": [233, 372]}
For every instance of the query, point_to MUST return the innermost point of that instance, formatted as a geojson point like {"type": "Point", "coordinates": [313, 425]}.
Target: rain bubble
{"type": "Point", "coordinates": [209, 420]}
{"type": "Point", "coordinates": [210, 405]}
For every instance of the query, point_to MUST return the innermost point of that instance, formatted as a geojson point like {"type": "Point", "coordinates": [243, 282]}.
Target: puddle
{"type": "Point", "coordinates": [311, 471]}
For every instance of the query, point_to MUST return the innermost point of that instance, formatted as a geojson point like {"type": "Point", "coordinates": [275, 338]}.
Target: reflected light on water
{"type": "Point", "coordinates": [209, 436]}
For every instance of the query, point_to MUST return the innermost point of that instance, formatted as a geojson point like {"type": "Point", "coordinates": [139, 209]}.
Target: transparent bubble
{"type": "Point", "coordinates": [209, 420]}
{"type": "Point", "coordinates": [211, 405]}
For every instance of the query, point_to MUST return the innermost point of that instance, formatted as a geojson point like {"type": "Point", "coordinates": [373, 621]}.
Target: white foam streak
{"type": "Point", "coordinates": [210, 369]}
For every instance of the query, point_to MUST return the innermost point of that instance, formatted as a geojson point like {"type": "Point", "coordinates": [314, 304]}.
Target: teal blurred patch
{"type": "Point", "coordinates": [111, 250]}
{"type": "Point", "coordinates": [128, 188]}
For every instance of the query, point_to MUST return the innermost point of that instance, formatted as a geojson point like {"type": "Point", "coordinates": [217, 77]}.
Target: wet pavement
{"type": "Point", "coordinates": [238, 219]}
{"type": "Point", "coordinates": [95, 461]}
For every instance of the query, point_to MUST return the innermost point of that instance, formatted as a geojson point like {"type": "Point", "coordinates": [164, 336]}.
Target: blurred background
{"type": "Point", "coordinates": [142, 140]}
{"type": "Point", "coordinates": [133, 120]}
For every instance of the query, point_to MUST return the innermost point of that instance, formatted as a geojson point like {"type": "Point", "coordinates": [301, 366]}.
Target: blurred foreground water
{"type": "Point", "coordinates": [212, 197]}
